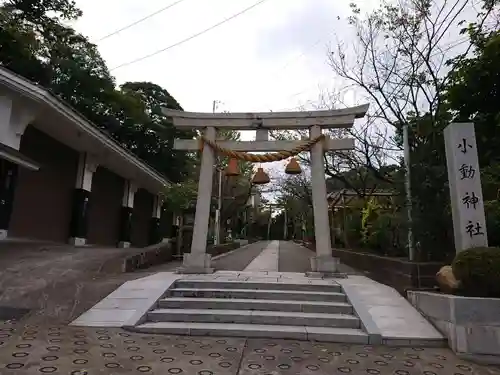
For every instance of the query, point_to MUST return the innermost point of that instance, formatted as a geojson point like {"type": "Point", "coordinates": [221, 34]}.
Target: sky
{"type": "Point", "coordinates": [273, 57]}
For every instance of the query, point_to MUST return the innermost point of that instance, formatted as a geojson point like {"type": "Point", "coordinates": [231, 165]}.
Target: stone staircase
{"type": "Point", "coordinates": [256, 309]}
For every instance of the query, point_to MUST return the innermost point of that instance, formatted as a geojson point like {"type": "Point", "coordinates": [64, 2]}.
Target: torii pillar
{"type": "Point", "coordinates": [323, 264]}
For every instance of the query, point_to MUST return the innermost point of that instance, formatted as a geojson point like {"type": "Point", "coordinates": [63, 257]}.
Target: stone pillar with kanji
{"type": "Point", "coordinates": [469, 222]}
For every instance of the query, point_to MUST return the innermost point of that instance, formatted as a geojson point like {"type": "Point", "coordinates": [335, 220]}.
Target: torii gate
{"type": "Point", "coordinates": [198, 261]}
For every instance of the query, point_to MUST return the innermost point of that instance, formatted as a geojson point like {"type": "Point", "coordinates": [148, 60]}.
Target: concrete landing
{"type": "Point", "coordinates": [383, 308]}
{"type": "Point", "coordinates": [385, 316]}
{"type": "Point", "coordinates": [127, 304]}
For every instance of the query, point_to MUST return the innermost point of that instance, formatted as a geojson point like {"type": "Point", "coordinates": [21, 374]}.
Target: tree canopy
{"type": "Point", "coordinates": [413, 79]}
{"type": "Point", "coordinates": [36, 44]}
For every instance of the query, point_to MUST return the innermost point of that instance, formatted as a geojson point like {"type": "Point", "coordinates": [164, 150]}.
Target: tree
{"type": "Point", "coordinates": [296, 199]}
{"type": "Point", "coordinates": [27, 30]}
{"type": "Point", "coordinates": [360, 169]}
{"type": "Point", "coordinates": [35, 44]}
{"type": "Point", "coordinates": [400, 59]}
{"type": "Point", "coordinates": [151, 137]}
{"type": "Point", "coordinates": [471, 95]}
{"type": "Point", "coordinates": [236, 190]}
{"type": "Point", "coordinates": [181, 196]}
{"type": "Point", "coordinates": [400, 64]}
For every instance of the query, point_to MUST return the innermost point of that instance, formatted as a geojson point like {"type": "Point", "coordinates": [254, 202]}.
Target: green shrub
{"type": "Point", "coordinates": [478, 270]}
{"type": "Point", "coordinates": [492, 211]}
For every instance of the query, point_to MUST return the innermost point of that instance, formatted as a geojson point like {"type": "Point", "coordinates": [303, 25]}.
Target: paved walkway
{"type": "Point", "coordinates": [67, 350]}
{"type": "Point", "coordinates": [33, 347]}
{"type": "Point", "coordinates": [295, 258]}
{"type": "Point", "coordinates": [267, 260]}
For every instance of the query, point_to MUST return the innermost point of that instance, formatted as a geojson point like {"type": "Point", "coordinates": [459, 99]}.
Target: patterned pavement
{"type": "Point", "coordinates": [26, 349]}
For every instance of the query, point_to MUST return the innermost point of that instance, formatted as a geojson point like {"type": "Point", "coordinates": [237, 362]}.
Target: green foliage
{"type": "Point", "coordinates": [492, 212]}
{"type": "Point", "coordinates": [369, 214]}
{"type": "Point", "coordinates": [35, 44]}
{"type": "Point", "coordinates": [236, 190]}
{"type": "Point", "coordinates": [430, 192]}
{"type": "Point", "coordinates": [471, 94]}
{"type": "Point", "coordinates": [45, 10]}
{"type": "Point", "coordinates": [181, 196]}
{"type": "Point", "coordinates": [381, 228]}
{"type": "Point", "coordinates": [352, 226]}
{"type": "Point", "coordinates": [296, 198]}
{"type": "Point", "coordinates": [478, 270]}
{"type": "Point", "coordinates": [398, 63]}
{"type": "Point", "coordinates": [150, 134]}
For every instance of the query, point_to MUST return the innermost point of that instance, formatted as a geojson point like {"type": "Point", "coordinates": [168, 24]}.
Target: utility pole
{"type": "Point", "coordinates": [269, 223]}
{"type": "Point", "coordinates": [219, 209]}
{"type": "Point", "coordinates": [406, 148]}
{"type": "Point", "coordinates": [285, 225]}
{"type": "Point", "coordinates": [219, 196]}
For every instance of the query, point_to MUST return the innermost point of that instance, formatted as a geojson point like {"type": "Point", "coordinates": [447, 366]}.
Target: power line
{"type": "Point", "coordinates": [450, 46]}
{"type": "Point", "coordinates": [298, 57]}
{"type": "Point", "coordinates": [141, 20]}
{"type": "Point", "coordinates": [442, 50]}
{"type": "Point", "coordinates": [190, 37]}
{"type": "Point", "coordinates": [273, 75]}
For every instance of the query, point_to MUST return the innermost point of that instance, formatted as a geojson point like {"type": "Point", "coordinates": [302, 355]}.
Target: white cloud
{"type": "Point", "coordinates": [271, 58]}
{"type": "Point", "coordinates": [274, 57]}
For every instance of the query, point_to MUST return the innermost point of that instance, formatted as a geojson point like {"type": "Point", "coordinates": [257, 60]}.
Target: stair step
{"type": "Point", "coordinates": [201, 284]}
{"type": "Point", "coordinates": [256, 304]}
{"type": "Point", "coordinates": [254, 317]}
{"type": "Point", "coordinates": [258, 294]}
{"type": "Point", "coordinates": [343, 335]}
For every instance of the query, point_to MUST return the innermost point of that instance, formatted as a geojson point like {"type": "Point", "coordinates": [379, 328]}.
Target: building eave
{"type": "Point", "coordinates": [14, 156]}
{"type": "Point", "coordinates": [38, 94]}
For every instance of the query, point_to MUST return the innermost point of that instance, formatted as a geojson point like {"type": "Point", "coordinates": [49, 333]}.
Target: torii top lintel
{"type": "Point", "coordinates": [337, 118]}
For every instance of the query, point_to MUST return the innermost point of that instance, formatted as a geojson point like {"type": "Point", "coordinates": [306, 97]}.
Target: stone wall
{"type": "Point", "coordinates": [222, 248]}
{"type": "Point", "coordinates": [164, 253]}
{"type": "Point", "coordinates": [398, 273]}
{"type": "Point", "coordinates": [150, 256]}
{"type": "Point", "coordinates": [471, 324]}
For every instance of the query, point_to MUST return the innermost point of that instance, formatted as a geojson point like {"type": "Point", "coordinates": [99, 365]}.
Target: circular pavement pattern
{"type": "Point", "coordinates": [293, 357]}
{"type": "Point", "coordinates": [83, 351]}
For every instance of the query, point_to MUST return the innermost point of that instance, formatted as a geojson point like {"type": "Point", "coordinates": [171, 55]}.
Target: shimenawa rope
{"type": "Point", "coordinates": [261, 158]}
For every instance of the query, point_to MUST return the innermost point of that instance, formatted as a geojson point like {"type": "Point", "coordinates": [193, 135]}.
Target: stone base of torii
{"type": "Point", "coordinates": [323, 264]}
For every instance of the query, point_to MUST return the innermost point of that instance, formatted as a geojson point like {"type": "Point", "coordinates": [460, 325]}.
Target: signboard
{"type": "Point", "coordinates": [469, 222]}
